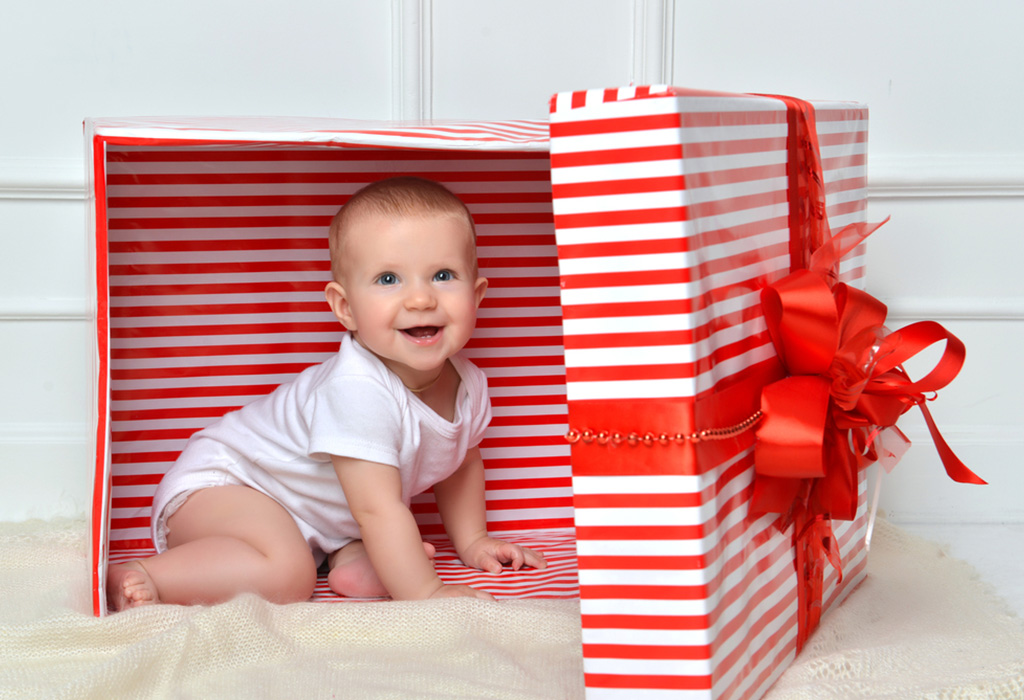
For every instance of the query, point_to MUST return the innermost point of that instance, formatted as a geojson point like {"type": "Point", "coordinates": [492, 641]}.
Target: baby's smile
{"type": "Point", "coordinates": [422, 332]}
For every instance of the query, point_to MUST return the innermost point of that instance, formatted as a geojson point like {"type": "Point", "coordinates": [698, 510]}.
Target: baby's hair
{"type": "Point", "coordinates": [395, 197]}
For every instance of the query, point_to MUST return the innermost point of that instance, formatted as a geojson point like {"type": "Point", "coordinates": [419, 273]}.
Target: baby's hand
{"type": "Point", "coordinates": [489, 554]}
{"type": "Point", "coordinates": [450, 591]}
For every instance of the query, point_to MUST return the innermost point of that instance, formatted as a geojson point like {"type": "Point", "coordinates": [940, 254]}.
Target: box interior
{"type": "Point", "coordinates": [217, 261]}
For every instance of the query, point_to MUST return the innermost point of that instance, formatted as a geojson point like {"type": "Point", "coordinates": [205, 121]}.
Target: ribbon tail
{"type": "Point", "coordinates": [827, 257]}
{"type": "Point", "coordinates": [831, 548]}
{"type": "Point", "coordinates": [810, 582]}
{"type": "Point", "coordinates": [956, 469]}
{"type": "Point", "coordinates": [890, 445]}
{"type": "Point", "coordinates": [835, 494]}
{"type": "Point", "coordinates": [815, 543]}
{"type": "Point", "coordinates": [778, 495]}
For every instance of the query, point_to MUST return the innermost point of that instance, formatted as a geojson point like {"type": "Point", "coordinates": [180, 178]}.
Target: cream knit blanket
{"type": "Point", "coordinates": [921, 626]}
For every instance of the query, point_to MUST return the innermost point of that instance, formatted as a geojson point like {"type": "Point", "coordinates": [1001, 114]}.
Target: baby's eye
{"type": "Point", "coordinates": [444, 276]}
{"type": "Point", "coordinates": [388, 278]}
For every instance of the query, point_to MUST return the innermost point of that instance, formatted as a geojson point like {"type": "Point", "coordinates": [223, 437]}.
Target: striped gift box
{"type": "Point", "coordinates": [211, 259]}
{"type": "Point", "coordinates": [625, 255]}
{"type": "Point", "coordinates": [671, 212]}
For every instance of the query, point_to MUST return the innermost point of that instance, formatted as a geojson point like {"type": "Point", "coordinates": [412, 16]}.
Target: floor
{"type": "Point", "coordinates": [996, 550]}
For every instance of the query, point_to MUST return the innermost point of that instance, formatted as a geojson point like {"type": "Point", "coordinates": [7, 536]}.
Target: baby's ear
{"type": "Point", "coordinates": [480, 289]}
{"type": "Point", "coordinates": [337, 299]}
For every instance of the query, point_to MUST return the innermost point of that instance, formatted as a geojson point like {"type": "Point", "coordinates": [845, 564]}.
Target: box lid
{"type": "Point", "coordinates": [508, 135]}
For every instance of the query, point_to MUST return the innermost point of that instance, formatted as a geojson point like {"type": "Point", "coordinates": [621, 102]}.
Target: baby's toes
{"type": "Point", "coordinates": [138, 594]}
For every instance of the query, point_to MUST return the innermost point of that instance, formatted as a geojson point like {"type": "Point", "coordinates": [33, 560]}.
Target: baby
{"type": "Point", "coordinates": [325, 466]}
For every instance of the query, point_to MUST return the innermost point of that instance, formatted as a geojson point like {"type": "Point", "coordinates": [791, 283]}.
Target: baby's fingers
{"type": "Point", "coordinates": [456, 591]}
{"type": "Point", "coordinates": [518, 556]}
{"type": "Point", "coordinates": [534, 558]}
{"type": "Point", "coordinates": [492, 563]}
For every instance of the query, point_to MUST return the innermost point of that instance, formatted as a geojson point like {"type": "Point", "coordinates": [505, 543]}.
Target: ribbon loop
{"type": "Point", "coordinates": [842, 361]}
{"type": "Point", "coordinates": [801, 318]}
{"type": "Point", "coordinates": [792, 446]}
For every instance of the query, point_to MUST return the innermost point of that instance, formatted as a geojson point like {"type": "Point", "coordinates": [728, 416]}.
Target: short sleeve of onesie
{"type": "Point", "coordinates": [480, 405]}
{"type": "Point", "coordinates": [354, 417]}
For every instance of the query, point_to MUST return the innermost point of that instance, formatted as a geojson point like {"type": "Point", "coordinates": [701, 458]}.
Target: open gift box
{"type": "Point", "coordinates": [626, 245]}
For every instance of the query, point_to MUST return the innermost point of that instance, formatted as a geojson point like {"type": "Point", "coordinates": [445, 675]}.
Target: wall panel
{"type": "Point", "coordinates": [45, 417]}
{"type": "Point", "coordinates": [491, 61]}
{"type": "Point", "coordinates": [935, 76]}
{"type": "Point", "coordinates": [946, 162]}
{"type": "Point", "coordinates": [982, 420]}
{"type": "Point", "coordinates": [117, 58]}
{"type": "Point", "coordinates": [945, 250]}
{"type": "Point", "coordinates": [43, 267]}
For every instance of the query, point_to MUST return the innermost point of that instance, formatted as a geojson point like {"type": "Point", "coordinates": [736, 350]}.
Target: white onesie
{"type": "Point", "coordinates": [350, 406]}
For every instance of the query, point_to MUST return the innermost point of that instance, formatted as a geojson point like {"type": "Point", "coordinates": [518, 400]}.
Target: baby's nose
{"type": "Point", "coordinates": [421, 296]}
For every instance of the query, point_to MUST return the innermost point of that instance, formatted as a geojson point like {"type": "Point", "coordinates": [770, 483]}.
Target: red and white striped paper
{"type": "Point", "coordinates": [211, 263]}
{"type": "Point", "coordinates": [671, 214]}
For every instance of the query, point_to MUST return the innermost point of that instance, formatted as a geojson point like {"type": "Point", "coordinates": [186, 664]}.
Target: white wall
{"type": "Point", "coordinates": [947, 162]}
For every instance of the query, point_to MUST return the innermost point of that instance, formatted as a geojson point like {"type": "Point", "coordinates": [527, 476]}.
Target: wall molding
{"type": "Point", "coordinates": [904, 310]}
{"type": "Point", "coordinates": [62, 433]}
{"type": "Point", "coordinates": [890, 176]}
{"type": "Point", "coordinates": [20, 309]}
{"type": "Point", "coordinates": [966, 434]}
{"type": "Point", "coordinates": [909, 520]}
{"type": "Point", "coordinates": [653, 42]}
{"type": "Point", "coordinates": [411, 59]}
{"type": "Point", "coordinates": [42, 178]}
{"type": "Point", "coordinates": [965, 175]}
{"type": "Point", "coordinates": [956, 308]}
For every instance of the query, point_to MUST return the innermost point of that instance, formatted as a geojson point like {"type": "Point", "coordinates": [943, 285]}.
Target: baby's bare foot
{"type": "Point", "coordinates": [129, 586]}
{"type": "Point", "coordinates": [352, 575]}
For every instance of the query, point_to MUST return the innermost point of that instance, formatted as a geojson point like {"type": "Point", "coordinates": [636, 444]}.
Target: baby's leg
{"type": "Point", "coordinates": [224, 541]}
{"type": "Point", "coordinates": [353, 576]}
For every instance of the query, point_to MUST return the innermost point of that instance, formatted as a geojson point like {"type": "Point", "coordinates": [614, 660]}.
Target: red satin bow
{"type": "Point", "coordinates": [846, 383]}
{"type": "Point", "coordinates": [845, 391]}
{"type": "Point", "coordinates": [836, 412]}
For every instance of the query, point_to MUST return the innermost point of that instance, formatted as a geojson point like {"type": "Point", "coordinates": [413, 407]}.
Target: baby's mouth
{"type": "Point", "coordinates": [422, 332]}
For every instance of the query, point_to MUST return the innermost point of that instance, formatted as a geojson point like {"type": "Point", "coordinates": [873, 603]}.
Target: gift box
{"type": "Point", "coordinates": [211, 260]}
{"type": "Point", "coordinates": [627, 244]}
{"type": "Point", "coordinates": [673, 210]}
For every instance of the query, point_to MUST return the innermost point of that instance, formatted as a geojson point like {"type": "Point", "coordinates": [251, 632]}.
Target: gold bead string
{"type": "Point", "coordinates": [650, 439]}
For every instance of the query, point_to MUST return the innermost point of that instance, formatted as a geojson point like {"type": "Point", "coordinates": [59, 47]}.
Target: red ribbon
{"type": "Point", "coordinates": [846, 386]}
{"type": "Point", "coordinates": [815, 543]}
{"type": "Point", "coordinates": [846, 383]}
{"type": "Point", "coordinates": [825, 421]}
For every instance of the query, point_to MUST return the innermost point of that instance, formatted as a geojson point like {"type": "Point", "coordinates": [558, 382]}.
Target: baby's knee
{"type": "Point", "coordinates": [293, 580]}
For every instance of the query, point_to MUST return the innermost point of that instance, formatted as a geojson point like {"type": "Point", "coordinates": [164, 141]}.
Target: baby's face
{"type": "Point", "coordinates": [411, 289]}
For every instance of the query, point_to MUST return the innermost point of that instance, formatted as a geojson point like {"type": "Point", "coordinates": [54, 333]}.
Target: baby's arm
{"type": "Point", "coordinates": [389, 532]}
{"type": "Point", "coordinates": [460, 500]}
